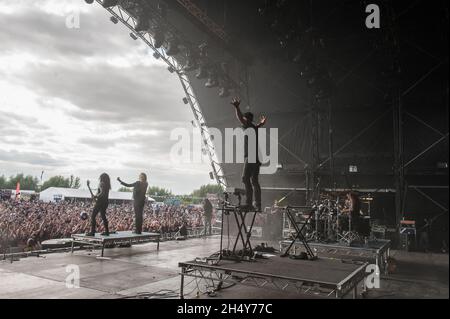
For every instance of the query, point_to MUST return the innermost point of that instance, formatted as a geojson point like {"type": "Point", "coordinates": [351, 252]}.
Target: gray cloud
{"type": "Point", "coordinates": [74, 65]}
{"type": "Point", "coordinates": [32, 30]}
{"type": "Point", "coordinates": [32, 158]}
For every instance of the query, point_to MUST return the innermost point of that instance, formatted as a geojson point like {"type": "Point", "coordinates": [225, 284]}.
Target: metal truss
{"type": "Point", "coordinates": [215, 278]}
{"type": "Point", "coordinates": [130, 22]}
{"type": "Point", "coordinates": [379, 255]}
{"type": "Point", "coordinates": [204, 19]}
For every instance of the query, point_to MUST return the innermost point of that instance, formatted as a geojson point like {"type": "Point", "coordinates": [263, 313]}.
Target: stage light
{"type": "Point", "coordinates": [212, 78]}
{"type": "Point", "coordinates": [189, 66]}
{"type": "Point", "coordinates": [442, 165]}
{"type": "Point", "coordinates": [162, 9]}
{"type": "Point", "coordinates": [109, 3]}
{"type": "Point", "coordinates": [142, 23]}
{"type": "Point", "coordinates": [185, 100]}
{"type": "Point", "coordinates": [114, 20]}
{"type": "Point", "coordinates": [156, 55]}
{"type": "Point", "coordinates": [133, 36]}
{"type": "Point", "coordinates": [89, 1]}
{"type": "Point", "coordinates": [201, 73]}
{"type": "Point", "coordinates": [159, 39]}
{"type": "Point", "coordinates": [212, 82]}
{"type": "Point", "coordinates": [211, 175]}
{"type": "Point", "coordinates": [171, 69]}
{"type": "Point", "coordinates": [353, 169]}
{"type": "Point", "coordinates": [172, 48]}
{"type": "Point", "coordinates": [224, 92]}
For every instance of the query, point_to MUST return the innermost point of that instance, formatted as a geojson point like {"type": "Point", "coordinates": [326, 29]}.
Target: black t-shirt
{"type": "Point", "coordinates": [102, 194]}
{"type": "Point", "coordinates": [248, 147]}
{"type": "Point", "coordinates": [207, 206]}
{"type": "Point", "coordinates": [139, 190]}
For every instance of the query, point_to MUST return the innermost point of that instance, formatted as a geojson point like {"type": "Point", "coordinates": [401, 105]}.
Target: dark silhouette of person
{"type": "Point", "coordinates": [352, 210]}
{"type": "Point", "coordinates": [101, 203]}
{"type": "Point", "coordinates": [139, 191]}
{"type": "Point", "coordinates": [250, 174]}
{"type": "Point", "coordinates": [207, 211]}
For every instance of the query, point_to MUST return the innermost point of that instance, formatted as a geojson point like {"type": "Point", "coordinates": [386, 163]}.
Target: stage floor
{"type": "Point", "coordinates": [376, 251]}
{"type": "Point", "coordinates": [141, 268]}
{"type": "Point", "coordinates": [321, 277]}
{"type": "Point", "coordinates": [120, 237]}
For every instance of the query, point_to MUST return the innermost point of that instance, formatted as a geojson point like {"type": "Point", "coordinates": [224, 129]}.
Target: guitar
{"type": "Point", "coordinates": [90, 190]}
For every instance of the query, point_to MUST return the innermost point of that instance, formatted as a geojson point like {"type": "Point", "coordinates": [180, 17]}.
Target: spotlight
{"type": "Point", "coordinates": [162, 9]}
{"type": "Point", "coordinates": [133, 36]}
{"type": "Point", "coordinates": [203, 50]}
{"type": "Point", "coordinates": [353, 169]}
{"type": "Point", "coordinates": [442, 165]}
{"type": "Point", "coordinates": [89, 1]}
{"type": "Point", "coordinates": [212, 78]}
{"type": "Point", "coordinates": [224, 92]}
{"type": "Point", "coordinates": [171, 69]}
{"type": "Point", "coordinates": [114, 20]}
{"type": "Point", "coordinates": [211, 83]}
{"type": "Point", "coordinates": [109, 3]}
{"type": "Point", "coordinates": [185, 100]}
{"type": "Point", "coordinates": [142, 23]}
{"type": "Point", "coordinates": [156, 55]}
{"type": "Point", "coordinates": [159, 39]}
{"type": "Point", "coordinates": [191, 62]}
{"type": "Point", "coordinates": [224, 87]}
{"type": "Point", "coordinates": [201, 73]}
{"type": "Point", "coordinates": [172, 49]}
{"type": "Point", "coordinates": [189, 66]}
{"type": "Point", "coordinates": [211, 175]}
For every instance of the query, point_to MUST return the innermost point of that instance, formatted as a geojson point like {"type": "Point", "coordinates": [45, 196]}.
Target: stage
{"type": "Point", "coordinates": [116, 238]}
{"type": "Point", "coordinates": [141, 269]}
{"type": "Point", "coordinates": [322, 277]}
{"type": "Point", "coordinates": [376, 251]}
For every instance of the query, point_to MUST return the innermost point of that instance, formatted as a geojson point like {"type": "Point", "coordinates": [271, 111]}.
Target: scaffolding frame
{"type": "Point", "coordinates": [127, 19]}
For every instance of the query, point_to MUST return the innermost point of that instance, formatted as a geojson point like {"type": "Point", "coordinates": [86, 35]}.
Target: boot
{"type": "Point", "coordinates": [106, 232]}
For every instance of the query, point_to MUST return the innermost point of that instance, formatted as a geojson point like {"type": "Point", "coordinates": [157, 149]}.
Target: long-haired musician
{"type": "Point", "coordinates": [352, 209]}
{"type": "Point", "coordinates": [139, 192]}
{"type": "Point", "coordinates": [101, 203]}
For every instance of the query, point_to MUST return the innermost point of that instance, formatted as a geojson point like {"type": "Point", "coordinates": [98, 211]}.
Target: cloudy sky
{"type": "Point", "coordinates": [86, 100]}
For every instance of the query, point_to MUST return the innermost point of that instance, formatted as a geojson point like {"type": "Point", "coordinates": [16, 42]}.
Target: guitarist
{"type": "Point", "coordinates": [101, 203]}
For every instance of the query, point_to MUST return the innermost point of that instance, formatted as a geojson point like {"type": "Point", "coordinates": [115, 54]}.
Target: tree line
{"type": "Point", "coordinates": [31, 183]}
{"type": "Point", "coordinates": [160, 194]}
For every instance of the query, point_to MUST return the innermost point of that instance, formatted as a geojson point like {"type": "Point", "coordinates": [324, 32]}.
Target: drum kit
{"type": "Point", "coordinates": [330, 224]}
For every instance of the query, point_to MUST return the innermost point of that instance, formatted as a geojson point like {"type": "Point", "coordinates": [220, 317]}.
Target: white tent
{"type": "Point", "coordinates": [56, 194]}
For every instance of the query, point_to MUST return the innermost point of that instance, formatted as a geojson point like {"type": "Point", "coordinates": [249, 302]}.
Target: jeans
{"type": "Point", "coordinates": [250, 178]}
{"type": "Point", "coordinates": [102, 210]}
{"type": "Point", "coordinates": [138, 216]}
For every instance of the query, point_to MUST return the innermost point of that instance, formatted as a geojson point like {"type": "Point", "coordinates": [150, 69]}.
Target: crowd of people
{"type": "Point", "coordinates": [22, 220]}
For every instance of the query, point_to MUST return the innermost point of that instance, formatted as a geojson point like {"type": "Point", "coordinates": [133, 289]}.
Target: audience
{"type": "Point", "coordinates": [21, 221]}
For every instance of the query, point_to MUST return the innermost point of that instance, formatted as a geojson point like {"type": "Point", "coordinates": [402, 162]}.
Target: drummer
{"type": "Point", "coordinates": [352, 209]}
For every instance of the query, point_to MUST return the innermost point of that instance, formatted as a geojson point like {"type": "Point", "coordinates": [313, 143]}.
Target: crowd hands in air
{"type": "Point", "coordinates": [28, 223]}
